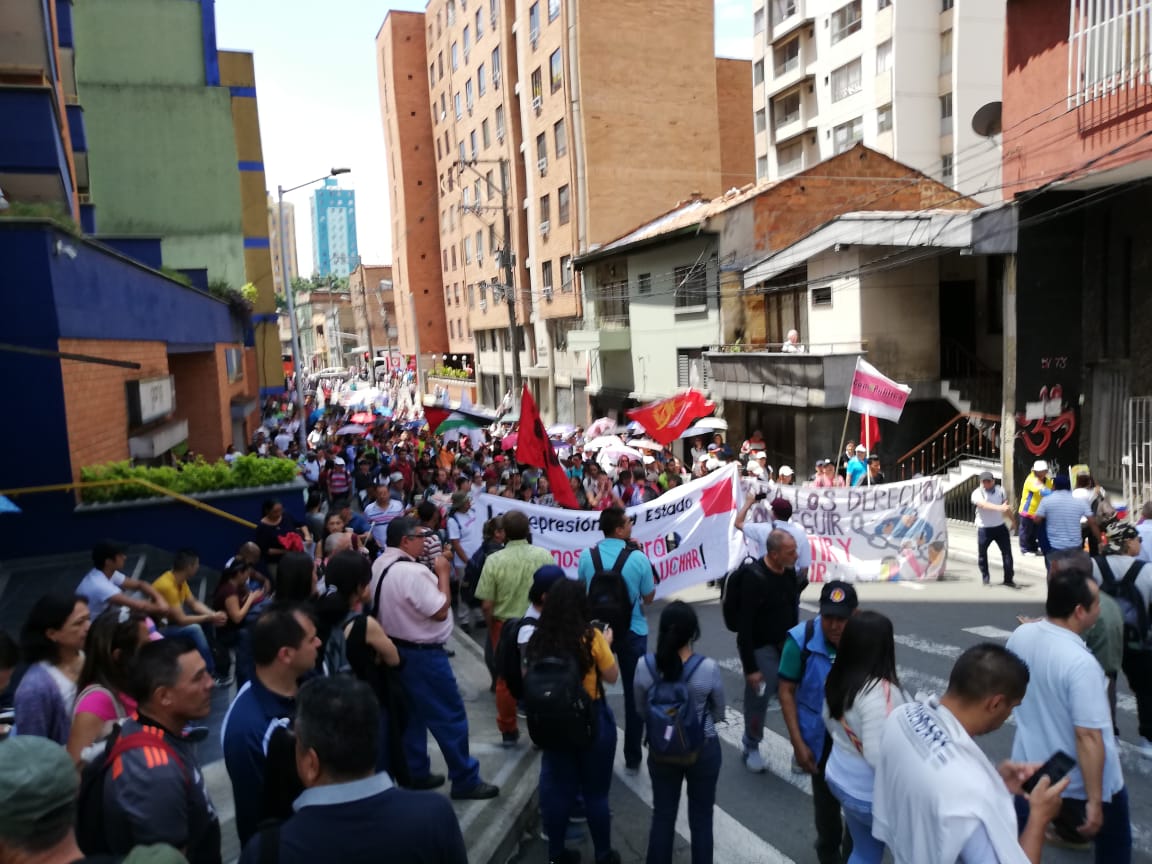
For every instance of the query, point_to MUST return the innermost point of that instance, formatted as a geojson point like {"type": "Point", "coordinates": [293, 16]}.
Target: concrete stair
{"type": "Point", "coordinates": [966, 469]}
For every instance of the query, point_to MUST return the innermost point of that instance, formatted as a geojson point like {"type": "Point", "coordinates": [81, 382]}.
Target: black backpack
{"type": "Point", "coordinates": [1137, 627]}
{"type": "Point", "coordinates": [730, 598]}
{"type": "Point", "coordinates": [559, 710]}
{"type": "Point", "coordinates": [508, 661]}
{"type": "Point", "coordinates": [608, 597]}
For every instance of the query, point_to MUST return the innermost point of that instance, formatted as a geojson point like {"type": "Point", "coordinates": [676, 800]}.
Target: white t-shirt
{"type": "Point", "coordinates": [1145, 529]}
{"type": "Point", "coordinates": [756, 537]}
{"type": "Point", "coordinates": [1066, 689]}
{"type": "Point", "coordinates": [850, 769]}
{"type": "Point", "coordinates": [995, 495]}
{"type": "Point", "coordinates": [527, 629]}
{"type": "Point", "coordinates": [98, 589]}
{"type": "Point", "coordinates": [469, 530]}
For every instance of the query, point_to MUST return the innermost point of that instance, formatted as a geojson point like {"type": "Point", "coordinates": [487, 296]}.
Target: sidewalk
{"type": "Point", "coordinates": [492, 829]}
{"type": "Point", "coordinates": [962, 547]}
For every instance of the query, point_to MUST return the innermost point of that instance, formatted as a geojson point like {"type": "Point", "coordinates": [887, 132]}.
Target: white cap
{"type": "Point", "coordinates": [785, 471]}
{"type": "Point", "coordinates": [396, 477]}
{"type": "Point", "coordinates": [755, 470]}
{"type": "Point", "coordinates": [338, 460]}
{"type": "Point", "coordinates": [759, 454]}
{"type": "Point", "coordinates": [648, 460]}
{"type": "Point", "coordinates": [1039, 465]}
{"type": "Point", "coordinates": [702, 457]}
{"type": "Point", "coordinates": [712, 464]}
{"type": "Point", "coordinates": [860, 448]}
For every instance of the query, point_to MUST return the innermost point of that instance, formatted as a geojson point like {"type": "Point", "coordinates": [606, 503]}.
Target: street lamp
{"type": "Point", "coordinates": [302, 431]}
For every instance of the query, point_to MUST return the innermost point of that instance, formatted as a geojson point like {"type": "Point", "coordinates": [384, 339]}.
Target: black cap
{"type": "Point", "coordinates": [986, 475]}
{"type": "Point", "coordinates": [838, 600]}
{"type": "Point", "coordinates": [399, 528]}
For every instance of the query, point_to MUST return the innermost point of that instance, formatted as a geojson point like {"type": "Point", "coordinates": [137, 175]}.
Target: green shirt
{"type": "Point", "coordinates": [790, 657]}
{"type": "Point", "coordinates": [1105, 638]}
{"type": "Point", "coordinates": [507, 576]}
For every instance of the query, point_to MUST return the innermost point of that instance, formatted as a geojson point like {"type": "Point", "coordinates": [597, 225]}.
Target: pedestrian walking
{"type": "Point", "coordinates": [992, 506]}
{"type": "Point", "coordinates": [675, 663]}
{"type": "Point", "coordinates": [1036, 485]}
{"type": "Point", "coordinates": [861, 691]}
{"type": "Point", "coordinates": [1061, 514]}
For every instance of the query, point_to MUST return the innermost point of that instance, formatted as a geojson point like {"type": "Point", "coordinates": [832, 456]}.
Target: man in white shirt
{"type": "Point", "coordinates": [105, 584]}
{"type": "Point", "coordinates": [937, 798]}
{"type": "Point", "coordinates": [1066, 708]}
{"type": "Point", "coordinates": [756, 533]}
{"type": "Point", "coordinates": [991, 503]}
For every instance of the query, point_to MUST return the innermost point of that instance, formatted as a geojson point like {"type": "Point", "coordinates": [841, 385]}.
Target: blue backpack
{"type": "Point", "coordinates": [674, 728]}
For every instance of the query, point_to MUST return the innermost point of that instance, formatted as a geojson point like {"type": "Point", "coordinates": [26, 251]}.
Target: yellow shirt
{"type": "Point", "coordinates": [602, 660]}
{"type": "Point", "coordinates": [173, 594]}
{"type": "Point", "coordinates": [1034, 490]}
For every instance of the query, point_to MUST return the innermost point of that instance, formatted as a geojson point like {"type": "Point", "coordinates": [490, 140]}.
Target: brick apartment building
{"type": "Point", "coordinates": [535, 105]}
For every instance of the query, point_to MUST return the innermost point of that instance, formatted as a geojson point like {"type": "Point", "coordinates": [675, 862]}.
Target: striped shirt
{"type": "Point", "coordinates": [379, 517]}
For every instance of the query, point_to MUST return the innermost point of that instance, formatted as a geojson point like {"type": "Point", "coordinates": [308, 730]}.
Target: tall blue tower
{"type": "Point", "coordinates": [334, 251]}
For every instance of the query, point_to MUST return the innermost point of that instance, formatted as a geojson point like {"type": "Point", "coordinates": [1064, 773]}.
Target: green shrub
{"type": "Point", "coordinates": [200, 476]}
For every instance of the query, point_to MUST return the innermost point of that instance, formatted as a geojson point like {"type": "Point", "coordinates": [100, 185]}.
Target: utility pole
{"type": "Point", "coordinates": [505, 179]}
{"type": "Point", "coordinates": [368, 325]}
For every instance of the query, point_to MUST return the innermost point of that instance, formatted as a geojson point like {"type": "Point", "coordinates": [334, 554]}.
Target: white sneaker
{"type": "Point", "coordinates": [754, 762]}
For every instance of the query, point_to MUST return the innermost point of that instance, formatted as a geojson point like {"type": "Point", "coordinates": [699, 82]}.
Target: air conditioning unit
{"type": "Point", "coordinates": [547, 292]}
{"type": "Point", "coordinates": [545, 227]}
{"type": "Point", "coordinates": [537, 104]}
{"type": "Point", "coordinates": [542, 166]}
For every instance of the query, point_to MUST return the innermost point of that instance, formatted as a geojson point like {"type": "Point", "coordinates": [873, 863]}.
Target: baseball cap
{"type": "Point", "coordinates": [702, 457]}
{"type": "Point", "coordinates": [1039, 465]}
{"type": "Point", "coordinates": [37, 787]}
{"type": "Point", "coordinates": [712, 464]}
{"type": "Point", "coordinates": [760, 454]}
{"type": "Point", "coordinates": [785, 471]}
{"type": "Point", "coordinates": [986, 475]}
{"type": "Point", "coordinates": [838, 599]}
{"type": "Point", "coordinates": [860, 448]}
{"type": "Point", "coordinates": [396, 477]}
{"type": "Point", "coordinates": [782, 509]}
{"type": "Point", "coordinates": [820, 463]}
{"type": "Point", "coordinates": [543, 579]}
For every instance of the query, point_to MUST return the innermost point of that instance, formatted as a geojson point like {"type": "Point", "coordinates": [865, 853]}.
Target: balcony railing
{"type": "Point", "coordinates": [820, 376]}
{"type": "Point", "coordinates": [970, 435]}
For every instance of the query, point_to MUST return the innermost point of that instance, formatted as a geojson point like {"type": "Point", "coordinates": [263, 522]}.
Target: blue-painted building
{"type": "Point", "coordinates": [334, 250]}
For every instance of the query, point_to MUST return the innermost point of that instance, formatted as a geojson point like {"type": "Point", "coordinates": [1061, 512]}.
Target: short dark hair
{"type": "Point", "coordinates": [987, 670]}
{"type": "Point", "coordinates": [340, 504]}
{"type": "Point", "coordinates": [426, 510]}
{"type": "Point", "coordinates": [516, 525]}
{"type": "Point", "coordinates": [157, 664]}
{"type": "Point", "coordinates": [48, 613]}
{"type": "Point", "coordinates": [638, 473]}
{"type": "Point", "coordinates": [184, 559]}
{"type": "Point", "coordinates": [782, 509]}
{"type": "Point", "coordinates": [348, 572]}
{"type": "Point", "coordinates": [277, 628]}
{"type": "Point", "coordinates": [105, 551]}
{"type": "Point", "coordinates": [339, 718]}
{"type": "Point", "coordinates": [269, 505]}
{"type": "Point", "coordinates": [1068, 588]}
{"type": "Point", "coordinates": [612, 519]}
{"type": "Point", "coordinates": [398, 529]}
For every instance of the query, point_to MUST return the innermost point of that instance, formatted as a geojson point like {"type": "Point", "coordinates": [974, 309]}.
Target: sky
{"type": "Point", "coordinates": [320, 106]}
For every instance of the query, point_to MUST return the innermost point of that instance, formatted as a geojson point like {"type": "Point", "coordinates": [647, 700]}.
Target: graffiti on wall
{"type": "Point", "coordinates": [1049, 422]}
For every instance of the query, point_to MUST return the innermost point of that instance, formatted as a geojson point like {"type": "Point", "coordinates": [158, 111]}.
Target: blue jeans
{"type": "Point", "coordinates": [564, 774]}
{"type": "Point", "coordinates": [1002, 537]}
{"type": "Point", "coordinates": [434, 705]}
{"type": "Point", "coordinates": [194, 633]}
{"type": "Point", "coordinates": [866, 849]}
{"type": "Point", "coordinates": [628, 654]}
{"type": "Point", "coordinates": [1113, 843]}
{"type": "Point", "coordinates": [666, 783]}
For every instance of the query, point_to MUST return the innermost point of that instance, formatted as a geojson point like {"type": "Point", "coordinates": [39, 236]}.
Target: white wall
{"type": "Point", "coordinates": [839, 322]}
{"type": "Point", "coordinates": [977, 37]}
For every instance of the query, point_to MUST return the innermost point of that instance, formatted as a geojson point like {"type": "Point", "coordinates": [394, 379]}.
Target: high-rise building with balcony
{"type": "Point", "coordinates": [536, 108]}
{"type": "Point", "coordinates": [334, 229]}
{"type": "Point", "coordinates": [907, 79]}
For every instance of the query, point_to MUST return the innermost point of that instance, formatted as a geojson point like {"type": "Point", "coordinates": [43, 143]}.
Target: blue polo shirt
{"type": "Point", "coordinates": [254, 715]}
{"type": "Point", "coordinates": [637, 576]}
{"type": "Point", "coordinates": [1062, 512]}
{"type": "Point", "coordinates": [365, 822]}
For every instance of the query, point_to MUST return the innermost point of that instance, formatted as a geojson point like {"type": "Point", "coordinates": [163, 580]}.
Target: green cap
{"type": "Point", "coordinates": [37, 787]}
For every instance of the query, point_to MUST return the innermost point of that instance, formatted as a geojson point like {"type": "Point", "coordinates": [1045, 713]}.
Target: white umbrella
{"type": "Point", "coordinates": [351, 429]}
{"type": "Point", "coordinates": [599, 427]}
{"type": "Point", "coordinates": [645, 444]}
{"type": "Point", "coordinates": [602, 442]}
{"type": "Point", "coordinates": [713, 423]}
{"type": "Point", "coordinates": [561, 430]}
{"type": "Point", "coordinates": [613, 453]}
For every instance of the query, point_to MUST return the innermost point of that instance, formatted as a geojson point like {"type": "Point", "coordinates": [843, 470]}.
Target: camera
{"type": "Point", "coordinates": [761, 496]}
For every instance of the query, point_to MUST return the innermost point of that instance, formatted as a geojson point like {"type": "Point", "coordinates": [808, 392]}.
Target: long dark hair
{"type": "Point", "coordinates": [867, 652]}
{"type": "Point", "coordinates": [678, 627]}
{"type": "Point", "coordinates": [50, 612]}
{"type": "Point", "coordinates": [294, 578]}
{"type": "Point", "coordinates": [563, 627]}
{"type": "Point", "coordinates": [112, 643]}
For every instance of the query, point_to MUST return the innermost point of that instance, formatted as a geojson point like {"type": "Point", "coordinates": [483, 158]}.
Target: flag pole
{"type": "Point", "coordinates": [843, 438]}
{"type": "Point", "coordinates": [867, 445]}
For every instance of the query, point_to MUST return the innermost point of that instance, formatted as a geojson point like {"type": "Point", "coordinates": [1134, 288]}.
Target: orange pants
{"type": "Point", "coordinates": [505, 701]}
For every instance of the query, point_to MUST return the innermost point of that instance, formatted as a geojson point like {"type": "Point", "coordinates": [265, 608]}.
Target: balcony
{"type": "Point", "coordinates": [786, 15]}
{"type": "Point", "coordinates": [609, 333]}
{"type": "Point", "coordinates": [818, 378]}
{"type": "Point", "coordinates": [788, 69]}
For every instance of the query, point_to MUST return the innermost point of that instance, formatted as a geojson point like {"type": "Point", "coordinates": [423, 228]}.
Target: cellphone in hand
{"type": "Point", "coordinates": [1056, 769]}
{"type": "Point", "coordinates": [760, 496]}
{"type": "Point", "coordinates": [599, 625]}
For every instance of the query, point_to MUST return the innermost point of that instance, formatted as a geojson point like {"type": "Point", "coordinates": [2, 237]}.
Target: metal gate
{"type": "Point", "coordinates": [1137, 458]}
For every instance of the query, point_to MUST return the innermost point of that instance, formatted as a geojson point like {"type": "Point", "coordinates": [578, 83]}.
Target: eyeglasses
{"type": "Point", "coordinates": [419, 536]}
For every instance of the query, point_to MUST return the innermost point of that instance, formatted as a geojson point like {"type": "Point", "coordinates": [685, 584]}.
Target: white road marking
{"type": "Point", "coordinates": [912, 586]}
{"type": "Point", "coordinates": [988, 632]}
{"type": "Point", "coordinates": [732, 842]}
{"type": "Point", "coordinates": [927, 646]}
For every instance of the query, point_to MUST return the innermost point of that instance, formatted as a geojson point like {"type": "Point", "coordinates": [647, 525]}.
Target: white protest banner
{"type": "Point", "coordinates": [686, 533]}
{"type": "Point", "coordinates": [887, 532]}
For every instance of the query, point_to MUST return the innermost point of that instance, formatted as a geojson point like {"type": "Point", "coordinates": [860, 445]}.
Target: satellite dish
{"type": "Point", "coordinates": [986, 121]}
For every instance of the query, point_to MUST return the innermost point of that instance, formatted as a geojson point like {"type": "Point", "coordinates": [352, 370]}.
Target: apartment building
{"type": "Point", "coordinates": [534, 106]}
{"type": "Point", "coordinates": [274, 246]}
{"type": "Point", "coordinates": [920, 82]}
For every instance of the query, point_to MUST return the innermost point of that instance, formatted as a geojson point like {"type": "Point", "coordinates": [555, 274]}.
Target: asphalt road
{"type": "Point", "coordinates": [768, 817]}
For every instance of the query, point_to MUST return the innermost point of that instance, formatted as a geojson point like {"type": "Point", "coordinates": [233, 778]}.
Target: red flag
{"type": "Point", "coordinates": [435, 416]}
{"type": "Point", "coordinates": [666, 419]}
{"type": "Point", "coordinates": [869, 431]}
{"type": "Point", "coordinates": [534, 448]}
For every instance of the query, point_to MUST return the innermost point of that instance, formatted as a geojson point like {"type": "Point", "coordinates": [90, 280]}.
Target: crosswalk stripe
{"type": "Point", "coordinates": [732, 842]}
{"type": "Point", "coordinates": [927, 646]}
{"type": "Point", "coordinates": [988, 632]}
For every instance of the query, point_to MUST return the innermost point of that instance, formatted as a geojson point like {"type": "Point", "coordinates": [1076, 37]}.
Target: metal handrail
{"type": "Point", "coordinates": [935, 454]}
{"type": "Point", "coordinates": [92, 484]}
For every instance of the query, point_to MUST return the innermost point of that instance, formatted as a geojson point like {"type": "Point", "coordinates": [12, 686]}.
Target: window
{"type": "Point", "coordinates": [884, 118]}
{"type": "Point", "coordinates": [467, 40]}
{"type": "Point", "coordinates": [790, 158]}
{"type": "Point", "coordinates": [945, 5]}
{"type": "Point", "coordinates": [1107, 49]}
{"type": "Point", "coordinates": [481, 80]}
{"type": "Point", "coordinates": [757, 73]}
{"type": "Point", "coordinates": [781, 10]}
{"type": "Point", "coordinates": [500, 121]}
{"type": "Point", "coordinates": [455, 57]}
{"type": "Point", "coordinates": [560, 138]}
{"type": "Point", "coordinates": [472, 145]}
{"type": "Point", "coordinates": [690, 368]}
{"type": "Point", "coordinates": [883, 57]}
{"type": "Point", "coordinates": [612, 304]}
{"type": "Point", "coordinates": [476, 199]}
{"type": "Point", "coordinates": [822, 296]}
{"type": "Point", "coordinates": [466, 198]}
{"type": "Point", "coordinates": [786, 109]}
{"type": "Point", "coordinates": [443, 114]}
{"type": "Point", "coordinates": [463, 153]}
{"type": "Point", "coordinates": [761, 167]}
{"type": "Point", "coordinates": [459, 104]}
{"type": "Point", "coordinates": [847, 134]}
{"type": "Point", "coordinates": [691, 286]}
{"type": "Point", "coordinates": [440, 65]}
{"type": "Point", "coordinates": [534, 23]}
{"type": "Point", "coordinates": [786, 57]}
{"type": "Point", "coordinates": [431, 74]}
{"type": "Point", "coordinates": [846, 21]}
{"type": "Point", "coordinates": [451, 12]}
{"type": "Point", "coordinates": [495, 66]}
{"type": "Point", "coordinates": [467, 252]}
{"type": "Point", "coordinates": [468, 97]}
{"type": "Point", "coordinates": [565, 273]}
{"type": "Point", "coordinates": [491, 191]}
{"type": "Point", "coordinates": [946, 114]}
{"type": "Point", "coordinates": [555, 71]}
{"type": "Point", "coordinates": [761, 122]}
{"type": "Point", "coordinates": [846, 81]}
{"type": "Point", "coordinates": [479, 234]}
{"type": "Point", "coordinates": [546, 276]}
{"type": "Point", "coordinates": [883, 4]}
{"type": "Point", "coordinates": [542, 147]}
{"type": "Point", "coordinates": [946, 173]}
{"type": "Point", "coordinates": [479, 24]}
{"type": "Point", "coordinates": [644, 284]}
{"type": "Point", "coordinates": [757, 21]}
{"type": "Point", "coordinates": [562, 204]}
{"type": "Point", "coordinates": [946, 52]}
{"type": "Point", "coordinates": [485, 135]}
{"type": "Point", "coordinates": [553, 9]}
{"type": "Point", "coordinates": [545, 208]}
{"type": "Point", "coordinates": [537, 84]}
{"type": "Point", "coordinates": [481, 341]}
{"type": "Point", "coordinates": [493, 9]}
{"type": "Point", "coordinates": [234, 361]}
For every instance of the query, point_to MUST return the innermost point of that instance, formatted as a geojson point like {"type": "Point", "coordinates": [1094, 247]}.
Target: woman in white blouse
{"type": "Point", "coordinates": [860, 693]}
